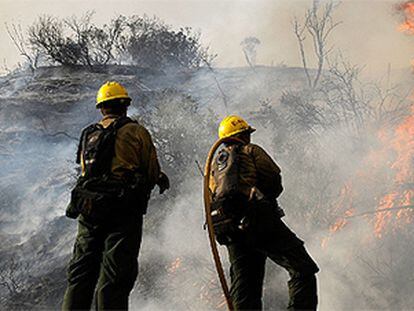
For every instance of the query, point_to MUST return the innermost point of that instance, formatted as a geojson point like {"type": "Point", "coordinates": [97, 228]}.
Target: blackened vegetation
{"type": "Point", "coordinates": [323, 132]}
{"type": "Point", "coordinates": [319, 136]}
{"type": "Point", "coordinates": [149, 42]}
{"type": "Point", "coordinates": [136, 40]}
{"type": "Point", "coordinates": [75, 41]}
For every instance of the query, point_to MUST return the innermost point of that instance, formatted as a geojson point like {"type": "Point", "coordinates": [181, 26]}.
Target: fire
{"type": "Point", "coordinates": [396, 207]}
{"type": "Point", "coordinates": [407, 8]}
{"type": "Point", "coordinates": [175, 265]}
{"type": "Point", "coordinates": [402, 143]}
{"type": "Point", "coordinates": [344, 201]}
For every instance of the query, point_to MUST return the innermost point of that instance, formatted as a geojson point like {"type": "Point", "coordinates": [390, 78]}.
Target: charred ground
{"type": "Point", "coordinates": [326, 140]}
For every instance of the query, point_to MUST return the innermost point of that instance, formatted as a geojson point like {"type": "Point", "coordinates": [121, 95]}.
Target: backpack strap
{"type": "Point", "coordinates": [81, 143]}
{"type": "Point", "coordinates": [116, 125]}
{"type": "Point", "coordinates": [78, 152]}
{"type": "Point", "coordinates": [250, 153]}
{"type": "Point", "coordinates": [120, 122]}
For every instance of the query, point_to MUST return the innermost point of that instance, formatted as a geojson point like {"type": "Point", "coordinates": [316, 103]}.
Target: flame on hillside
{"type": "Point", "coordinates": [401, 199]}
{"type": "Point", "coordinates": [395, 207]}
{"type": "Point", "coordinates": [407, 9]}
{"type": "Point", "coordinates": [407, 26]}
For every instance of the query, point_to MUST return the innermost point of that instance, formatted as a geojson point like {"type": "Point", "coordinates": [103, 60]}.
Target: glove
{"type": "Point", "coordinates": [163, 182]}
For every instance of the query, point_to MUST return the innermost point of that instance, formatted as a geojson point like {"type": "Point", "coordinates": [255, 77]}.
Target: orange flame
{"type": "Point", "coordinates": [407, 8]}
{"type": "Point", "coordinates": [395, 208]}
{"type": "Point", "coordinates": [175, 265]}
{"type": "Point", "coordinates": [344, 201]}
{"type": "Point", "coordinates": [403, 145]}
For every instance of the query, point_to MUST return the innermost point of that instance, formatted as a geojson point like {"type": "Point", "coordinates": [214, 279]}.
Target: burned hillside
{"type": "Point", "coordinates": [325, 150]}
{"type": "Point", "coordinates": [345, 145]}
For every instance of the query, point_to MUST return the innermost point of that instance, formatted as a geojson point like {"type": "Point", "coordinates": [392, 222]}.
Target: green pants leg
{"type": "Point", "coordinates": [282, 246]}
{"type": "Point", "coordinates": [83, 269]}
{"type": "Point", "coordinates": [247, 273]}
{"type": "Point", "coordinates": [104, 263]}
{"type": "Point", "coordinates": [119, 268]}
{"type": "Point", "coordinates": [302, 283]}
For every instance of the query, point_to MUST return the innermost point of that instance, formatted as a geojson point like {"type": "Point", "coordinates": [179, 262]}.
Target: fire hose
{"type": "Point", "coordinates": [209, 221]}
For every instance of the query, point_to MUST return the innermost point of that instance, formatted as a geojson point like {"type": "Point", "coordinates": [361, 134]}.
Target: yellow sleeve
{"type": "Point", "coordinates": [134, 150]}
{"type": "Point", "coordinates": [268, 172]}
{"type": "Point", "coordinates": [152, 166]}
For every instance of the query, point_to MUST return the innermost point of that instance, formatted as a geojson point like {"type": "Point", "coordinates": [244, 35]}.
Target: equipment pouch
{"type": "Point", "coordinates": [137, 193]}
{"type": "Point", "coordinates": [92, 205]}
{"type": "Point", "coordinates": [92, 200]}
{"type": "Point", "coordinates": [226, 216]}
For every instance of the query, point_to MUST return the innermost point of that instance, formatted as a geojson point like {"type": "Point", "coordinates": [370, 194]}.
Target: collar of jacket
{"type": "Point", "coordinates": [108, 119]}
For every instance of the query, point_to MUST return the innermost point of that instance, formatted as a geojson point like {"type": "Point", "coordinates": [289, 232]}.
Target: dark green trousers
{"type": "Point", "coordinates": [273, 240]}
{"type": "Point", "coordinates": [104, 263]}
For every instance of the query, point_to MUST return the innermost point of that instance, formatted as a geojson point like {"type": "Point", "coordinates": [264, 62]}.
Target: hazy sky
{"type": "Point", "coordinates": [367, 36]}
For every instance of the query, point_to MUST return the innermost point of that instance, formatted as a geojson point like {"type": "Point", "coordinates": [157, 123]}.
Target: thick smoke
{"type": "Point", "coordinates": [331, 159]}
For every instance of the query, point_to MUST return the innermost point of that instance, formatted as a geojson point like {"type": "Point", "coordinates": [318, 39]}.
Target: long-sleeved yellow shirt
{"type": "Point", "coordinates": [134, 151]}
{"type": "Point", "coordinates": [257, 169]}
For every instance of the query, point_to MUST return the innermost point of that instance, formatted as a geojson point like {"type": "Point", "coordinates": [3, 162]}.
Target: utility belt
{"type": "Point", "coordinates": [235, 217]}
{"type": "Point", "coordinates": [97, 198]}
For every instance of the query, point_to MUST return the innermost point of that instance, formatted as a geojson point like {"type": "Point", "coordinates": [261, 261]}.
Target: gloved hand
{"type": "Point", "coordinates": [163, 182]}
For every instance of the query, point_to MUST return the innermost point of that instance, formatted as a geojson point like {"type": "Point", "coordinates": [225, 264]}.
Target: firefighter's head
{"type": "Point", "coordinates": [112, 98]}
{"type": "Point", "coordinates": [235, 126]}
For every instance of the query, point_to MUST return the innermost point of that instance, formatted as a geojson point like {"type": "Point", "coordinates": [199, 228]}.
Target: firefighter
{"type": "Point", "coordinates": [245, 183]}
{"type": "Point", "coordinates": [119, 169]}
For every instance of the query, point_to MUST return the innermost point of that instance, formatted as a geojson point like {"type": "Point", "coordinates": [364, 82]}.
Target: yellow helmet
{"type": "Point", "coordinates": [111, 90]}
{"type": "Point", "coordinates": [233, 125]}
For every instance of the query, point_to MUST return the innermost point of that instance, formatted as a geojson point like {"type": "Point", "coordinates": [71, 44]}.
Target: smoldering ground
{"type": "Point", "coordinates": [175, 263]}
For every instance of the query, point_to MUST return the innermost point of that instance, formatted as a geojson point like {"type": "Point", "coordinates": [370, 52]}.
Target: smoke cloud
{"type": "Point", "coordinates": [335, 163]}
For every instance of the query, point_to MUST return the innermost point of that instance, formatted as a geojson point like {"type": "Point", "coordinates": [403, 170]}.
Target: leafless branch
{"type": "Point", "coordinates": [319, 25]}
{"type": "Point", "coordinates": [15, 33]}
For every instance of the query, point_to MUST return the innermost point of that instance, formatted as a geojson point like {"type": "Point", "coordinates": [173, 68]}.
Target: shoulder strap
{"type": "Point", "coordinates": [116, 125]}
{"type": "Point", "coordinates": [250, 152]}
{"type": "Point", "coordinates": [120, 122]}
{"type": "Point", "coordinates": [84, 132]}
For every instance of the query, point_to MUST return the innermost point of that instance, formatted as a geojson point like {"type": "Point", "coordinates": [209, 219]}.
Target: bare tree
{"type": "Point", "coordinates": [47, 35]}
{"type": "Point", "coordinates": [106, 40]}
{"type": "Point", "coordinates": [96, 44]}
{"type": "Point", "coordinates": [76, 41]}
{"type": "Point", "coordinates": [301, 37]}
{"type": "Point", "coordinates": [15, 33]}
{"type": "Point", "coordinates": [343, 93]}
{"type": "Point", "coordinates": [249, 47]}
{"type": "Point", "coordinates": [392, 103]}
{"type": "Point", "coordinates": [148, 42]}
{"type": "Point", "coordinates": [319, 25]}
{"type": "Point", "coordinates": [358, 103]}
{"type": "Point", "coordinates": [81, 28]}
